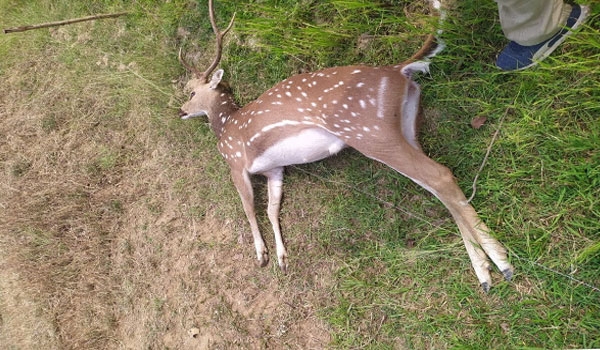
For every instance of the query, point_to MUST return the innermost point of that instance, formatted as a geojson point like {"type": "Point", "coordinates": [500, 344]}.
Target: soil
{"type": "Point", "coordinates": [107, 240]}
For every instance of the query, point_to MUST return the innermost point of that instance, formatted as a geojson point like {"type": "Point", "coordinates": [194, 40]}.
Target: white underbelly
{"type": "Point", "coordinates": [307, 146]}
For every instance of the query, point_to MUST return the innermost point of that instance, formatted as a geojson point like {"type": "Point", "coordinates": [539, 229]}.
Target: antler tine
{"type": "Point", "coordinates": [187, 65]}
{"type": "Point", "coordinates": [219, 39]}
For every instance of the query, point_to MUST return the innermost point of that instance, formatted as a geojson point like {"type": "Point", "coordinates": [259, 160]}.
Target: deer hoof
{"type": "Point", "coordinates": [508, 274]}
{"type": "Point", "coordinates": [283, 264]}
{"type": "Point", "coordinates": [486, 287]}
{"type": "Point", "coordinates": [263, 259]}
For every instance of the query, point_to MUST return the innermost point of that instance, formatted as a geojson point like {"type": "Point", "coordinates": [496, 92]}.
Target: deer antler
{"type": "Point", "coordinates": [219, 39]}
{"type": "Point", "coordinates": [188, 66]}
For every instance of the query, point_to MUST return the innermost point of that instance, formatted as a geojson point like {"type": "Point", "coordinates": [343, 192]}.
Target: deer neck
{"type": "Point", "coordinates": [221, 113]}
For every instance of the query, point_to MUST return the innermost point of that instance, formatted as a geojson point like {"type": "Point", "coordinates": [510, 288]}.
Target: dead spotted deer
{"type": "Point", "coordinates": [312, 116]}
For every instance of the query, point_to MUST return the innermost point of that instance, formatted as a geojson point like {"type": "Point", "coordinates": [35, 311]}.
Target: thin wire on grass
{"type": "Point", "coordinates": [489, 150]}
{"type": "Point", "coordinates": [380, 200]}
{"type": "Point", "coordinates": [149, 82]}
{"type": "Point", "coordinates": [533, 263]}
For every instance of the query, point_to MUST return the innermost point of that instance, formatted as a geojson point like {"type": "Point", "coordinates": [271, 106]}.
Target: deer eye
{"type": "Point", "coordinates": [192, 94]}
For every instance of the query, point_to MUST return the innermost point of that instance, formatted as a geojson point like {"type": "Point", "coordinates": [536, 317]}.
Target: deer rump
{"type": "Point", "coordinates": [311, 116]}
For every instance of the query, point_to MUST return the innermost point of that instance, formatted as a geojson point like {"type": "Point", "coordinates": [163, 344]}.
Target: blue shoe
{"type": "Point", "coordinates": [516, 57]}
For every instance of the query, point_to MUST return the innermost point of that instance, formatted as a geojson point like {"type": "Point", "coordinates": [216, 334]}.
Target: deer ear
{"type": "Point", "coordinates": [216, 79]}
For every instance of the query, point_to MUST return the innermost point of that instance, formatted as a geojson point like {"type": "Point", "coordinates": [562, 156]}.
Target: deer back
{"type": "Point", "coordinates": [351, 102]}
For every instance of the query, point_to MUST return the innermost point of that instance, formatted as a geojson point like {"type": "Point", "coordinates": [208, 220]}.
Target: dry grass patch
{"type": "Point", "coordinates": [109, 234]}
{"type": "Point", "coordinates": [119, 227]}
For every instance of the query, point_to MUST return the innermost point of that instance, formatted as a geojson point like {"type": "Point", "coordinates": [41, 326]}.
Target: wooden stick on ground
{"type": "Point", "coordinates": [62, 23]}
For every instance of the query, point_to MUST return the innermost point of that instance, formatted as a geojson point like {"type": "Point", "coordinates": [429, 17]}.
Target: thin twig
{"type": "Point", "coordinates": [62, 23]}
{"type": "Point", "coordinates": [489, 150]}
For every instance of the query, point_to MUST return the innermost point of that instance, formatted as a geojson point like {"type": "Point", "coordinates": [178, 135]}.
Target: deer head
{"type": "Point", "coordinates": [312, 116]}
{"type": "Point", "coordinates": [208, 97]}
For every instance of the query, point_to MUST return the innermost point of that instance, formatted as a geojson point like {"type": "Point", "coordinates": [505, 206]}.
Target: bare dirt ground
{"type": "Point", "coordinates": [102, 244]}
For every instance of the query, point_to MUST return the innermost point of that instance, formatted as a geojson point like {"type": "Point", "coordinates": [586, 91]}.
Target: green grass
{"type": "Point", "coordinates": [404, 278]}
{"type": "Point", "coordinates": [407, 281]}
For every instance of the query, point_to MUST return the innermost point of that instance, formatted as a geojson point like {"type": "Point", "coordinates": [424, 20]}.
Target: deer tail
{"type": "Point", "coordinates": [433, 44]}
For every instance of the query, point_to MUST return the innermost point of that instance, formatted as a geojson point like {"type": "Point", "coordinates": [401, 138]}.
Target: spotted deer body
{"type": "Point", "coordinates": [311, 116]}
{"type": "Point", "coordinates": [329, 110]}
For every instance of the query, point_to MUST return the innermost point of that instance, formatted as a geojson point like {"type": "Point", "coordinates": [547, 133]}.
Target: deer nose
{"type": "Point", "coordinates": [182, 113]}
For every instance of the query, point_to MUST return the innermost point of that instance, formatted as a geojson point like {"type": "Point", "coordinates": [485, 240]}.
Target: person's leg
{"type": "Point", "coordinates": [529, 22]}
{"type": "Point", "coordinates": [535, 28]}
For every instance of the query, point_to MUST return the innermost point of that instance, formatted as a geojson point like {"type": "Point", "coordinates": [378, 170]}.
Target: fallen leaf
{"type": "Point", "coordinates": [478, 122]}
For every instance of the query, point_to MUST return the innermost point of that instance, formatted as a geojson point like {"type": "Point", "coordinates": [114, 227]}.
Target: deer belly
{"type": "Point", "coordinates": [307, 146]}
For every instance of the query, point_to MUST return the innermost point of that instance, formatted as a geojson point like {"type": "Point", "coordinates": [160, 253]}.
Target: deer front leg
{"type": "Point", "coordinates": [242, 183]}
{"type": "Point", "coordinates": [275, 183]}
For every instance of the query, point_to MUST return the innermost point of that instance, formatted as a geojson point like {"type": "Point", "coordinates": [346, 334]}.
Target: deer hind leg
{"type": "Point", "coordinates": [439, 180]}
{"type": "Point", "coordinates": [242, 183]}
{"type": "Point", "coordinates": [275, 184]}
